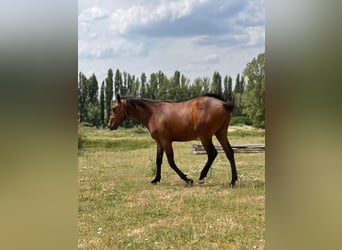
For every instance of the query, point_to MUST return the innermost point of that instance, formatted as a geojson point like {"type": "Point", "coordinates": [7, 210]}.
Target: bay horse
{"type": "Point", "coordinates": [201, 117]}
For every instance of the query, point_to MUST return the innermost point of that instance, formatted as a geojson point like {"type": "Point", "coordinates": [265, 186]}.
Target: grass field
{"type": "Point", "coordinates": [120, 209]}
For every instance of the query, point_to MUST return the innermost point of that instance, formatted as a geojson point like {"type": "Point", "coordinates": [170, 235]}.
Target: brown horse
{"type": "Point", "coordinates": [201, 118]}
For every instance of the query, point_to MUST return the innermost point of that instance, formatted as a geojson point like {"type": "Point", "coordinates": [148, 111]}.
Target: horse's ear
{"type": "Point", "coordinates": [118, 99]}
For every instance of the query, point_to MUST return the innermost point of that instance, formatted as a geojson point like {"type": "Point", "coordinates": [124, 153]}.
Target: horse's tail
{"type": "Point", "coordinates": [230, 103]}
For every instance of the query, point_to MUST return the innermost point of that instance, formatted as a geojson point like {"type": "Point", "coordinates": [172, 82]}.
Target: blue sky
{"type": "Point", "coordinates": [196, 37]}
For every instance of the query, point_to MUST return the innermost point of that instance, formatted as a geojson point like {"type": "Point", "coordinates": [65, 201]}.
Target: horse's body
{"type": "Point", "coordinates": [201, 118]}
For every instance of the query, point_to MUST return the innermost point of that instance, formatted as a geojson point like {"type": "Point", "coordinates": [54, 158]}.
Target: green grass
{"type": "Point", "coordinates": [120, 209]}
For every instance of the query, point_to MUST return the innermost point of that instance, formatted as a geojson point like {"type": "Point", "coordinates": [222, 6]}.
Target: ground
{"type": "Point", "coordinates": [120, 209]}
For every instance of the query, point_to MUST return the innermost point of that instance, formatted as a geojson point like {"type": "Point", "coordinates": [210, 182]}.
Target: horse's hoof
{"type": "Point", "coordinates": [154, 182]}
{"type": "Point", "coordinates": [232, 185]}
{"type": "Point", "coordinates": [189, 182]}
{"type": "Point", "coordinates": [201, 181]}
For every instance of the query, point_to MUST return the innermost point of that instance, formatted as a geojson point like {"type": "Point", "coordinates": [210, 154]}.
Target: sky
{"type": "Point", "coordinates": [195, 37]}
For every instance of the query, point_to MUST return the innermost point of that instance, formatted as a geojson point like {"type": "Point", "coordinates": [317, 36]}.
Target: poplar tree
{"type": "Point", "coordinates": [118, 82]}
{"type": "Point", "coordinates": [93, 89]}
{"type": "Point", "coordinates": [109, 93]}
{"type": "Point", "coordinates": [216, 85]}
{"type": "Point", "coordinates": [227, 93]}
{"type": "Point", "coordinates": [143, 91]}
{"type": "Point", "coordinates": [102, 105]}
{"type": "Point", "coordinates": [82, 97]}
{"type": "Point", "coordinates": [239, 89]}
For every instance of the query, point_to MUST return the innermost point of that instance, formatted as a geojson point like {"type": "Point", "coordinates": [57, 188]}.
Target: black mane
{"type": "Point", "coordinates": [214, 96]}
{"type": "Point", "coordinates": [141, 102]}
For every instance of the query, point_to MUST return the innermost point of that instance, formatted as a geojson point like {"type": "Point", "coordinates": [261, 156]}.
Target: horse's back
{"type": "Point", "coordinates": [209, 114]}
{"type": "Point", "coordinates": [184, 121]}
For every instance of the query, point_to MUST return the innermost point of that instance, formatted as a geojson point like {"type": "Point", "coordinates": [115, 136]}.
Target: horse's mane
{"type": "Point", "coordinates": [141, 102]}
{"type": "Point", "coordinates": [214, 96]}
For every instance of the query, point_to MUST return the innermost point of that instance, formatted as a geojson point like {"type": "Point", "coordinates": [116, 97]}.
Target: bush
{"type": "Point", "coordinates": [240, 120]}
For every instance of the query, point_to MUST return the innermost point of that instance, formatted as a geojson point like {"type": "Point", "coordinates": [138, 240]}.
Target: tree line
{"type": "Point", "coordinates": [95, 104]}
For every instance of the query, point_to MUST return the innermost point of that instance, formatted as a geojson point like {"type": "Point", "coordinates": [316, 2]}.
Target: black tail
{"type": "Point", "coordinates": [230, 104]}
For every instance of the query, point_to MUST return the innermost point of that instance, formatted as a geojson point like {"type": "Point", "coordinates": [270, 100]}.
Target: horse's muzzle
{"type": "Point", "coordinates": [112, 127]}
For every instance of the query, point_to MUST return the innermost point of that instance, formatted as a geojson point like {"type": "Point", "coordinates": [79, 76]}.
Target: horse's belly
{"type": "Point", "coordinates": [184, 135]}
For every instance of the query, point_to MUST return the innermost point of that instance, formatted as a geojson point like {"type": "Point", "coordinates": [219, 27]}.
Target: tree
{"type": "Point", "coordinates": [134, 86]}
{"type": "Point", "coordinates": [174, 89]}
{"type": "Point", "coordinates": [102, 105]}
{"type": "Point", "coordinates": [254, 96]}
{"type": "Point", "coordinates": [93, 89]}
{"type": "Point", "coordinates": [153, 87]}
{"type": "Point", "coordinates": [239, 89]}
{"type": "Point", "coordinates": [82, 96]}
{"type": "Point", "coordinates": [118, 82]}
{"type": "Point", "coordinates": [206, 85]}
{"type": "Point", "coordinates": [124, 85]}
{"type": "Point", "coordinates": [93, 114]}
{"type": "Point", "coordinates": [216, 85]}
{"type": "Point", "coordinates": [109, 93]}
{"type": "Point", "coordinates": [93, 109]}
{"type": "Point", "coordinates": [195, 89]}
{"type": "Point", "coordinates": [79, 99]}
{"type": "Point", "coordinates": [184, 91]}
{"type": "Point", "coordinates": [239, 85]}
{"type": "Point", "coordinates": [227, 93]}
{"type": "Point", "coordinates": [143, 91]}
{"type": "Point", "coordinates": [162, 86]}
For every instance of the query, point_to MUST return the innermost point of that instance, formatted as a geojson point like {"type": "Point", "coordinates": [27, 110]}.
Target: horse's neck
{"type": "Point", "coordinates": [143, 115]}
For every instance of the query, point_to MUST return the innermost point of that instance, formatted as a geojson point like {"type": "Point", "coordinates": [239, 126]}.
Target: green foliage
{"type": "Point", "coordinates": [248, 92]}
{"type": "Point", "coordinates": [227, 92]}
{"type": "Point", "coordinates": [253, 99]}
{"type": "Point", "coordinates": [93, 89]}
{"type": "Point", "coordinates": [239, 89]}
{"type": "Point", "coordinates": [82, 97]}
{"type": "Point", "coordinates": [216, 85]}
{"type": "Point", "coordinates": [108, 93]}
{"type": "Point", "coordinates": [102, 106]}
{"type": "Point", "coordinates": [240, 120]}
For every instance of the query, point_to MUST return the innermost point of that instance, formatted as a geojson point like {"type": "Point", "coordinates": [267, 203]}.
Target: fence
{"type": "Point", "coordinates": [244, 148]}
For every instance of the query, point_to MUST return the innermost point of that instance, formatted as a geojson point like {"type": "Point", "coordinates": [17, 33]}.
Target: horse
{"type": "Point", "coordinates": [201, 117]}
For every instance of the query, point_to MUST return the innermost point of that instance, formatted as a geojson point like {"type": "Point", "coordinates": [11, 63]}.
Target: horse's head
{"type": "Point", "coordinates": [118, 114]}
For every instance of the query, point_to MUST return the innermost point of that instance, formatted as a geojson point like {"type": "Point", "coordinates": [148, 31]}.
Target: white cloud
{"type": "Point", "coordinates": [109, 49]}
{"type": "Point", "coordinates": [252, 15]}
{"type": "Point", "coordinates": [144, 15]}
{"type": "Point", "coordinates": [91, 14]}
{"type": "Point", "coordinates": [211, 59]}
{"type": "Point", "coordinates": [195, 37]}
{"type": "Point", "coordinates": [255, 35]}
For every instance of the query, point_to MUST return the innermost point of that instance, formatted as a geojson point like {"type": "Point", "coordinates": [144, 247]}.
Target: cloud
{"type": "Point", "coordinates": [208, 59]}
{"type": "Point", "coordinates": [92, 14]}
{"type": "Point", "coordinates": [110, 49]}
{"type": "Point", "coordinates": [196, 36]}
{"type": "Point", "coordinates": [177, 18]}
{"type": "Point", "coordinates": [144, 15]}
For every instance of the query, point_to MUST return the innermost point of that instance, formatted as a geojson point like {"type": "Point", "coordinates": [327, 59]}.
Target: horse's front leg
{"type": "Point", "coordinates": [159, 160]}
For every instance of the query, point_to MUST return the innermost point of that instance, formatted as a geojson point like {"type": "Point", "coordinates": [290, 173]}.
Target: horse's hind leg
{"type": "Point", "coordinates": [221, 136]}
{"type": "Point", "coordinates": [212, 153]}
{"type": "Point", "coordinates": [170, 158]}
